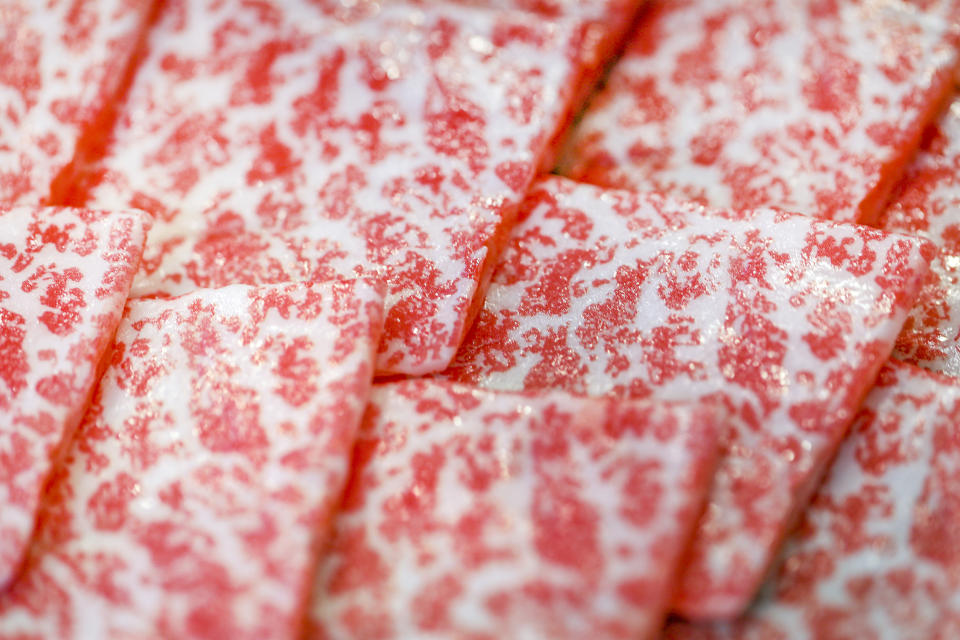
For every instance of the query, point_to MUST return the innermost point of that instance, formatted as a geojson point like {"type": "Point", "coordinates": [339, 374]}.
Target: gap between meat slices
{"type": "Point", "coordinates": [480, 514]}
{"type": "Point", "coordinates": [927, 203]}
{"type": "Point", "coordinates": [201, 483]}
{"type": "Point", "coordinates": [273, 144]}
{"type": "Point", "coordinates": [809, 107]}
{"type": "Point", "coordinates": [784, 318]}
{"type": "Point", "coordinates": [877, 553]}
{"type": "Point", "coordinates": [63, 65]}
{"type": "Point", "coordinates": [64, 276]}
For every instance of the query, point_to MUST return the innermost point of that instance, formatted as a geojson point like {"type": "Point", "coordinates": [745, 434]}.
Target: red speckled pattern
{"type": "Point", "coordinates": [203, 478]}
{"type": "Point", "coordinates": [784, 317]}
{"type": "Point", "coordinates": [484, 515]}
{"type": "Point", "coordinates": [878, 554]}
{"type": "Point", "coordinates": [807, 106]}
{"type": "Point", "coordinates": [927, 203]}
{"type": "Point", "coordinates": [64, 276]}
{"type": "Point", "coordinates": [61, 64]}
{"type": "Point", "coordinates": [275, 144]}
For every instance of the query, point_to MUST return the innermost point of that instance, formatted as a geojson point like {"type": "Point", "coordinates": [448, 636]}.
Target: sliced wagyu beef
{"type": "Point", "coordinates": [202, 480]}
{"type": "Point", "coordinates": [64, 276]}
{"type": "Point", "coordinates": [806, 106]}
{"type": "Point", "coordinates": [274, 144]}
{"type": "Point", "coordinates": [927, 203]}
{"type": "Point", "coordinates": [479, 514]}
{"type": "Point", "coordinates": [63, 64]}
{"type": "Point", "coordinates": [877, 553]}
{"type": "Point", "coordinates": [785, 318]}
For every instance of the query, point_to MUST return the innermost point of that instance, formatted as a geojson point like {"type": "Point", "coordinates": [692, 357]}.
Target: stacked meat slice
{"type": "Point", "coordinates": [785, 318]}
{"type": "Point", "coordinates": [926, 203]}
{"type": "Point", "coordinates": [479, 514]}
{"type": "Point", "coordinates": [204, 476]}
{"type": "Point", "coordinates": [282, 143]}
{"type": "Point", "coordinates": [64, 276]}
{"type": "Point", "coordinates": [811, 107]}
{"type": "Point", "coordinates": [876, 555]}
{"type": "Point", "coordinates": [63, 66]}
{"type": "Point", "coordinates": [597, 403]}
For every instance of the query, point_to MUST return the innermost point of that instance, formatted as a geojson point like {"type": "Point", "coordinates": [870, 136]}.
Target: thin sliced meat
{"type": "Point", "coordinates": [64, 276]}
{"type": "Point", "coordinates": [786, 318]}
{"type": "Point", "coordinates": [202, 480]}
{"type": "Point", "coordinates": [806, 106]}
{"type": "Point", "coordinates": [927, 203]}
{"type": "Point", "coordinates": [275, 145]}
{"type": "Point", "coordinates": [62, 66]}
{"type": "Point", "coordinates": [878, 554]}
{"type": "Point", "coordinates": [478, 514]}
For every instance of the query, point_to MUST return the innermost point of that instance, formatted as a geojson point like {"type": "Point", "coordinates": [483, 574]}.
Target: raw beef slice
{"type": "Point", "coordinates": [275, 145]}
{"type": "Point", "coordinates": [203, 478]}
{"type": "Point", "coordinates": [806, 106]}
{"type": "Point", "coordinates": [927, 203]}
{"type": "Point", "coordinates": [64, 276]}
{"type": "Point", "coordinates": [62, 65]}
{"type": "Point", "coordinates": [876, 557]}
{"type": "Point", "coordinates": [785, 318]}
{"type": "Point", "coordinates": [478, 514]}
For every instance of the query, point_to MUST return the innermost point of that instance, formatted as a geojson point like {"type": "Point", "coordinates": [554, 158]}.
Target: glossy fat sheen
{"type": "Point", "coordinates": [274, 146]}
{"type": "Point", "coordinates": [812, 107]}
{"type": "Point", "coordinates": [202, 480]}
{"type": "Point", "coordinates": [927, 203]}
{"type": "Point", "coordinates": [64, 276]}
{"type": "Point", "coordinates": [61, 63]}
{"type": "Point", "coordinates": [479, 514]}
{"type": "Point", "coordinates": [876, 556]}
{"type": "Point", "coordinates": [785, 318]}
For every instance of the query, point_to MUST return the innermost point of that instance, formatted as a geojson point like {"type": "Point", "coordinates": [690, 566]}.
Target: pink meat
{"type": "Point", "coordinates": [203, 478]}
{"type": "Point", "coordinates": [877, 554]}
{"type": "Point", "coordinates": [785, 318]}
{"type": "Point", "coordinates": [62, 65]}
{"type": "Point", "coordinates": [927, 203]}
{"type": "Point", "coordinates": [806, 106]}
{"type": "Point", "coordinates": [64, 276]}
{"type": "Point", "coordinates": [310, 141]}
{"type": "Point", "coordinates": [476, 514]}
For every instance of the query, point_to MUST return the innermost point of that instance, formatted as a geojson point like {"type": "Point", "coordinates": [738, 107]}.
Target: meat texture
{"type": "Point", "coordinates": [64, 276]}
{"type": "Point", "coordinates": [477, 514]}
{"type": "Point", "coordinates": [876, 557]}
{"type": "Point", "coordinates": [927, 203]}
{"type": "Point", "coordinates": [62, 65]}
{"type": "Point", "coordinates": [785, 318]}
{"type": "Point", "coordinates": [302, 142]}
{"type": "Point", "coordinates": [202, 481]}
{"type": "Point", "coordinates": [805, 106]}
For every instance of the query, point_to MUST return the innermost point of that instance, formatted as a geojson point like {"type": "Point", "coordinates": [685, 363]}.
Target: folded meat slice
{"type": "Point", "coordinates": [927, 203]}
{"type": "Point", "coordinates": [478, 514]}
{"type": "Point", "coordinates": [787, 319]}
{"type": "Point", "coordinates": [806, 106]}
{"type": "Point", "coordinates": [203, 478]}
{"type": "Point", "coordinates": [877, 553]}
{"type": "Point", "coordinates": [64, 276]}
{"type": "Point", "coordinates": [62, 65]}
{"type": "Point", "coordinates": [275, 145]}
